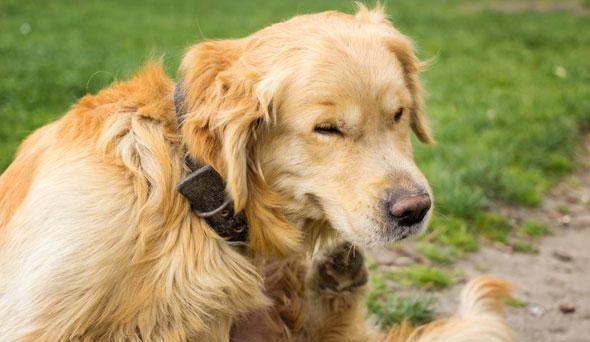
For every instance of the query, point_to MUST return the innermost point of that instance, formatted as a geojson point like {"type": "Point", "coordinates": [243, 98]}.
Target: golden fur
{"type": "Point", "coordinates": [96, 244]}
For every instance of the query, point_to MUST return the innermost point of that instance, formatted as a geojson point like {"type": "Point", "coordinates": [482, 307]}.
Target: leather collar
{"type": "Point", "coordinates": [204, 188]}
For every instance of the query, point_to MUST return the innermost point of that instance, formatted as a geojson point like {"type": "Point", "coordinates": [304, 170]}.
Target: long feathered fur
{"type": "Point", "coordinates": [77, 267]}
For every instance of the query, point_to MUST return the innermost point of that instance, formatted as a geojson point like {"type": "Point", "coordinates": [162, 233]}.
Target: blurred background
{"type": "Point", "coordinates": [508, 100]}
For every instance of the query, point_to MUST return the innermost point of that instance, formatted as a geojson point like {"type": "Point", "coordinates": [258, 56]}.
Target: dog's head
{"type": "Point", "coordinates": [309, 121]}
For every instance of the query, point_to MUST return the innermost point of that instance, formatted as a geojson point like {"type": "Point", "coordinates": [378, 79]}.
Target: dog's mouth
{"type": "Point", "coordinates": [378, 232]}
{"type": "Point", "coordinates": [402, 232]}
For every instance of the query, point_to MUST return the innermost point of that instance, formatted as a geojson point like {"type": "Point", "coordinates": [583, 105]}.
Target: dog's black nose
{"type": "Point", "coordinates": [408, 209]}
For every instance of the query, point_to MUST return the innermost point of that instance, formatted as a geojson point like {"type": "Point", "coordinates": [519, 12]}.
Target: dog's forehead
{"type": "Point", "coordinates": [350, 85]}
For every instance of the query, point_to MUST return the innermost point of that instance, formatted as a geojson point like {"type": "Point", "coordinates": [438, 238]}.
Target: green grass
{"type": "Point", "coordinates": [534, 228]}
{"type": "Point", "coordinates": [516, 303]}
{"type": "Point", "coordinates": [424, 277]}
{"type": "Point", "coordinates": [493, 226]}
{"type": "Point", "coordinates": [563, 209]}
{"type": "Point", "coordinates": [508, 92]}
{"type": "Point", "coordinates": [391, 308]}
{"type": "Point", "coordinates": [394, 309]}
{"type": "Point", "coordinates": [455, 232]}
{"type": "Point", "coordinates": [439, 254]}
{"type": "Point", "coordinates": [524, 247]}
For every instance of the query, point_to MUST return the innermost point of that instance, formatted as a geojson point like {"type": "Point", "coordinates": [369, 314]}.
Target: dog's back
{"type": "Point", "coordinates": [60, 217]}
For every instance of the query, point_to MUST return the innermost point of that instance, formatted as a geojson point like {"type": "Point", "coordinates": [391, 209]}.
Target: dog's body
{"type": "Point", "coordinates": [96, 244]}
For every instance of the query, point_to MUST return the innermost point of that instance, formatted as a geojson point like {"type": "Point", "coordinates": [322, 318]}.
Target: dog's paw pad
{"type": "Point", "coordinates": [342, 269]}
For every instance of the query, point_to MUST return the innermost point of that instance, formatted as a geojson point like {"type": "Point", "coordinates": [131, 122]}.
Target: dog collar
{"type": "Point", "coordinates": [204, 188]}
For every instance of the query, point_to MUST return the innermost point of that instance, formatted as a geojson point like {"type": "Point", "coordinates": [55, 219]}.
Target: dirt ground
{"type": "Point", "coordinates": [552, 281]}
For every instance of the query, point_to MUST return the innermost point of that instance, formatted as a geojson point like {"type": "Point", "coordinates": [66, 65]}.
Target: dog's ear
{"type": "Point", "coordinates": [223, 111]}
{"type": "Point", "coordinates": [403, 50]}
{"type": "Point", "coordinates": [227, 105]}
{"type": "Point", "coordinates": [402, 47]}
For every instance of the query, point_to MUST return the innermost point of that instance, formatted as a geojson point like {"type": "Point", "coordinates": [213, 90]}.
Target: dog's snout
{"type": "Point", "coordinates": [408, 209]}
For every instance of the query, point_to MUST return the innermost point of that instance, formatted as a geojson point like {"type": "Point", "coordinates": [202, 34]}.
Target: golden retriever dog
{"type": "Point", "coordinates": [308, 123]}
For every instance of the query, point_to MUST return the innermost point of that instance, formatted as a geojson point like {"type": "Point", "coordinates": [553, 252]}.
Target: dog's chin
{"type": "Point", "coordinates": [382, 236]}
{"type": "Point", "coordinates": [399, 233]}
{"type": "Point", "coordinates": [393, 232]}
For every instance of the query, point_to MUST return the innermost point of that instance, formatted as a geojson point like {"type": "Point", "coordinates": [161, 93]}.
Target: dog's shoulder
{"type": "Point", "coordinates": [129, 124]}
{"type": "Point", "coordinates": [146, 96]}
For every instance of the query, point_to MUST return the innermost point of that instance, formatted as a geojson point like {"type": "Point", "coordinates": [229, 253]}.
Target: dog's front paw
{"type": "Point", "coordinates": [341, 269]}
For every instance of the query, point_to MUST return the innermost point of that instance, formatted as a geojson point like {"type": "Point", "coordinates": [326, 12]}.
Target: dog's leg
{"type": "Point", "coordinates": [284, 284]}
{"type": "Point", "coordinates": [314, 300]}
{"type": "Point", "coordinates": [336, 284]}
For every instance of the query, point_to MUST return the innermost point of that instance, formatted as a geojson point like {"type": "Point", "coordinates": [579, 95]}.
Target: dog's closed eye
{"type": "Point", "coordinates": [398, 115]}
{"type": "Point", "coordinates": [327, 129]}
